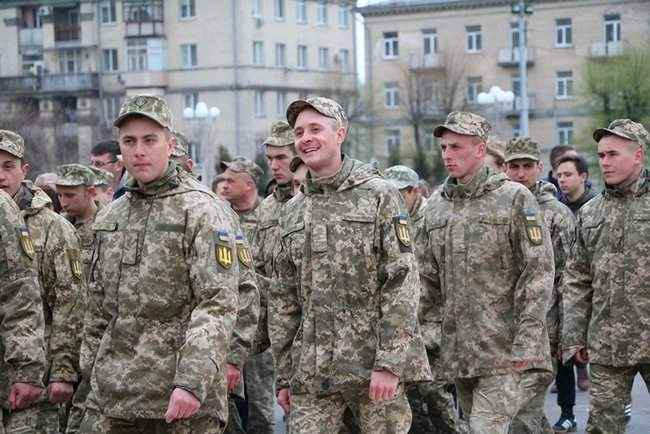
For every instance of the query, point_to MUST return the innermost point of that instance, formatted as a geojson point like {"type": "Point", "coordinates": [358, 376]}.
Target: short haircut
{"type": "Point", "coordinates": [557, 152]}
{"type": "Point", "coordinates": [578, 161]}
{"type": "Point", "coordinates": [106, 147]}
{"type": "Point", "coordinates": [218, 180]}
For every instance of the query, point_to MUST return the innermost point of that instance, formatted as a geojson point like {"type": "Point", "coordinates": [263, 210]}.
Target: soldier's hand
{"type": "Point", "coordinates": [284, 400]}
{"type": "Point", "coordinates": [383, 385]}
{"type": "Point", "coordinates": [582, 356]}
{"type": "Point", "coordinates": [59, 392]}
{"type": "Point", "coordinates": [22, 395]}
{"type": "Point", "coordinates": [182, 404]}
{"type": "Point", "coordinates": [233, 375]}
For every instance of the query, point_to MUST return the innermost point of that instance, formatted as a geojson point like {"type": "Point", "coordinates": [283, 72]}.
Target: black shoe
{"type": "Point", "coordinates": [565, 424]}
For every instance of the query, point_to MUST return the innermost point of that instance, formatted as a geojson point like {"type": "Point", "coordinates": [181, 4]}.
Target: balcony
{"type": "Point", "coordinates": [30, 37]}
{"type": "Point", "coordinates": [509, 57]}
{"type": "Point", "coordinates": [425, 61]}
{"type": "Point", "coordinates": [144, 18]}
{"type": "Point", "coordinates": [606, 49]}
{"type": "Point", "coordinates": [50, 83]}
{"type": "Point", "coordinates": [67, 35]}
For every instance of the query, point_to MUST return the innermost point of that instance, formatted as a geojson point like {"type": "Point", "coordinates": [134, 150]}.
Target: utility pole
{"type": "Point", "coordinates": [521, 9]}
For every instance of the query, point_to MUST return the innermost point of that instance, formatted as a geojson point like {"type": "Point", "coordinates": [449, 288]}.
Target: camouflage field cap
{"type": "Point", "coordinates": [465, 123]}
{"type": "Point", "coordinates": [325, 106]}
{"type": "Point", "coordinates": [12, 143]}
{"type": "Point", "coordinates": [242, 164]}
{"type": "Point", "coordinates": [74, 175]}
{"type": "Point", "coordinates": [281, 135]}
{"type": "Point", "coordinates": [520, 148]}
{"type": "Point", "coordinates": [296, 162]}
{"type": "Point", "coordinates": [182, 147]}
{"type": "Point", "coordinates": [626, 129]}
{"type": "Point", "coordinates": [102, 177]}
{"type": "Point", "coordinates": [496, 147]}
{"type": "Point", "coordinates": [402, 176]}
{"type": "Point", "coordinates": [152, 107]}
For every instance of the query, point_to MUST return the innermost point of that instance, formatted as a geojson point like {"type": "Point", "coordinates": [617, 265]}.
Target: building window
{"type": "Point", "coordinates": [188, 56]}
{"type": "Point", "coordinates": [109, 56]}
{"type": "Point", "coordinates": [391, 45]}
{"type": "Point", "coordinates": [188, 8]}
{"type": "Point", "coordinates": [391, 92]}
{"type": "Point", "coordinates": [258, 53]}
{"type": "Point", "coordinates": [515, 36]}
{"type": "Point", "coordinates": [257, 8]}
{"type": "Point", "coordinates": [321, 13]}
{"type": "Point", "coordinates": [393, 141]}
{"type": "Point", "coordinates": [344, 17]}
{"type": "Point", "coordinates": [107, 12]}
{"type": "Point", "coordinates": [323, 58]}
{"type": "Point", "coordinates": [191, 100]}
{"type": "Point", "coordinates": [474, 39]}
{"type": "Point", "coordinates": [516, 130]}
{"type": "Point", "coordinates": [301, 11]}
{"type": "Point", "coordinates": [564, 84]}
{"type": "Point", "coordinates": [563, 32]}
{"type": "Point", "coordinates": [279, 10]}
{"type": "Point", "coordinates": [516, 85]}
{"type": "Point", "coordinates": [281, 103]}
{"type": "Point", "coordinates": [564, 133]}
{"type": "Point", "coordinates": [474, 87]}
{"type": "Point", "coordinates": [280, 55]}
{"type": "Point", "coordinates": [429, 41]}
{"type": "Point", "coordinates": [136, 54]}
{"type": "Point", "coordinates": [428, 139]}
{"type": "Point", "coordinates": [112, 106]}
{"type": "Point", "coordinates": [344, 58]}
{"type": "Point", "coordinates": [302, 57]}
{"type": "Point", "coordinates": [69, 61]}
{"type": "Point", "coordinates": [612, 28]}
{"type": "Point", "coordinates": [259, 104]}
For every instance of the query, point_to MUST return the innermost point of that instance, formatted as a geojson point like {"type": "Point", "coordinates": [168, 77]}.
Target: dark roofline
{"type": "Point", "coordinates": [402, 7]}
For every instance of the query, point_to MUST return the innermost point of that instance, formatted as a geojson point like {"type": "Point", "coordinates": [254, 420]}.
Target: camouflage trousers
{"type": "Point", "coordinates": [610, 391]}
{"type": "Point", "coordinates": [433, 409]}
{"type": "Point", "coordinates": [491, 403]}
{"type": "Point", "coordinates": [234, 425]}
{"type": "Point", "coordinates": [96, 423]}
{"type": "Point", "coordinates": [78, 406]}
{"type": "Point", "coordinates": [41, 418]}
{"type": "Point", "coordinates": [531, 418]}
{"type": "Point", "coordinates": [313, 414]}
{"type": "Point", "coordinates": [259, 378]}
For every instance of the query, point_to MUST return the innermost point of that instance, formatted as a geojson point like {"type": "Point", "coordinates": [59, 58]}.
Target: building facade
{"type": "Point", "coordinates": [67, 65]}
{"type": "Point", "coordinates": [425, 58]}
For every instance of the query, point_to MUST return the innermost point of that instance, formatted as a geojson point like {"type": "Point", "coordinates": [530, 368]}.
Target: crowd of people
{"type": "Point", "coordinates": [137, 300]}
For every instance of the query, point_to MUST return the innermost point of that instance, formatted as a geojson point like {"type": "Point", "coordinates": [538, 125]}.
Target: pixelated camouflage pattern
{"type": "Point", "coordinates": [432, 407]}
{"type": "Point", "coordinates": [162, 308]}
{"type": "Point", "coordinates": [182, 146]}
{"type": "Point", "coordinates": [152, 107]}
{"type": "Point", "coordinates": [243, 164]}
{"type": "Point", "coordinates": [402, 176]}
{"type": "Point", "coordinates": [346, 298]}
{"type": "Point", "coordinates": [102, 177]}
{"type": "Point", "coordinates": [530, 418]}
{"type": "Point", "coordinates": [325, 106]}
{"type": "Point", "coordinates": [466, 123]}
{"type": "Point", "coordinates": [74, 175]}
{"type": "Point", "coordinates": [12, 142]}
{"type": "Point", "coordinates": [494, 281]}
{"type": "Point", "coordinates": [626, 129]}
{"type": "Point", "coordinates": [96, 423]}
{"type": "Point", "coordinates": [41, 419]}
{"type": "Point", "coordinates": [605, 291]}
{"type": "Point", "coordinates": [86, 236]}
{"type": "Point", "coordinates": [61, 278]}
{"type": "Point", "coordinates": [519, 148]}
{"type": "Point", "coordinates": [281, 135]}
{"type": "Point", "coordinates": [22, 335]}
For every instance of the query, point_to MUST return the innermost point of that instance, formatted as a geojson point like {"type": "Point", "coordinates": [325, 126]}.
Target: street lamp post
{"type": "Point", "coordinates": [204, 117]}
{"type": "Point", "coordinates": [500, 101]}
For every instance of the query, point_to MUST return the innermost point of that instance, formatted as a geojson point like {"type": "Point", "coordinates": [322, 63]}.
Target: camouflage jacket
{"type": "Point", "coordinates": [417, 218]}
{"type": "Point", "coordinates": [606, 285]}
{"type": "Point", "coordinates": [560, 222]}
{"type": "Point", "coordinates": [86, 237]}
{"type": "Point", "coordinates": [265, 242]}
{"type": "Point", "coordinates": [248, 220]}
{"type": "Point", "coordinates": [488, 256]}
{"type": "Point", "coordinates": [347, 295]}
{"type": "Point", "coordinates": [61, 277]}
{"type": "Point", "coordinates": [21, 313]}
{"type": "Point", "coordinates": [163, 299]}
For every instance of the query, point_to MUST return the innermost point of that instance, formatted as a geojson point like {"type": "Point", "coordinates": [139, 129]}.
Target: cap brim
{"type": "Point", "coordinates": [69, 184]}
{"type": "Point", "coordinates": [401, 185]}
{"type": "Point", "coordinates": [513, 157]}
{"type": "Point", "coordinates": [602, 132]}
{"type": "Point", "coordinates": [12, 152]}
{"type": "Point", "coordinates": [117, 122]}
{"type": "Point", "coordinates": [295, 108]}
{"type": "Point", "coordinates": [440, 129]}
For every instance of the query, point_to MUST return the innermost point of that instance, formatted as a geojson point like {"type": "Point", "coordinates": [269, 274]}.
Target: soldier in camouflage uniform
{"type": "Point", "coordinates": [61, 278]}
{"type": "Point", "coordinates": [103, 189]}
{"type": "Point", "coordinates": [343, 315]}
{"type": "Point", "coordinates": [606, 292]}
{"type": "Point", "coordinates": [241, 176]}
{"type": "Point", "coordinates": [487, 254]}
{"type": "Point", "coordinates": [432, 405]}
{"type": "Point", "coordinates": [22, 361]}
{"type": "Point", "coordinates": [523, 165]}
{"type": "Point", "coordinates": [163, 298]}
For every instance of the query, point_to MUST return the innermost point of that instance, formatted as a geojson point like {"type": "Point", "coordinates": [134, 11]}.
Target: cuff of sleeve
{"type": "Point", "coordinates": [28, 375]}
{"type": "Point", "coordinates": [198, 390]}
{"type": "Point", "coordinates": [569, 352]}
{"type": "Point", "coordinates": [389, 361]}
{"type": "Point", "coordinates": [235, 359]}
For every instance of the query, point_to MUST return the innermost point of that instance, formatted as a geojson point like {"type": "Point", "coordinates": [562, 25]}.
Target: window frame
{"type": "Point", "coordinates": [189, 52]}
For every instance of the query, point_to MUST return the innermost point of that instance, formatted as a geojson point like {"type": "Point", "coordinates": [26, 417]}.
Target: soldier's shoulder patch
{"type": "Point", "coordinates": [243, 252]}
{"type": "Point", "coordinates": [401, 224]}
{"type": "Point", "coordinates": [27, 243]}
{"type": "Point", "coordinates": [533, 227]}
{"type": "Point", "coordinates": [223, 250]}
{"type": "Point", "coordinates": [74, 258]}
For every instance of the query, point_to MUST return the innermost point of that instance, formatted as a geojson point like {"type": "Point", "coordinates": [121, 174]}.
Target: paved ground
{"type": "Point", "coordinates": [640, 423]}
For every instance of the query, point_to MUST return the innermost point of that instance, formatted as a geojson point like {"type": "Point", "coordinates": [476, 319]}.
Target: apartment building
{"type": "Point", "coordinates": [69, 64]}
{"type": "Point", "coordinates": [453, 50]}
